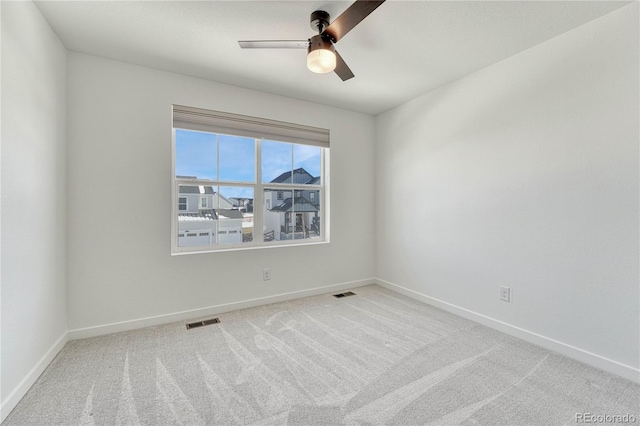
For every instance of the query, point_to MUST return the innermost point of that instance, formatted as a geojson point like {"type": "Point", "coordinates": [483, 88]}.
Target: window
{"type": "Point", "coordinates": [182, 203]}
{"type": "Point", "coordinates": [257, 182]}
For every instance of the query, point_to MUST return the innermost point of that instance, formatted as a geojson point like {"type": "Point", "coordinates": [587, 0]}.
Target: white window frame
{"type": "Point", "coordinates": [204, 203]}
{"type": "Point", "coordinates": [258, 187]}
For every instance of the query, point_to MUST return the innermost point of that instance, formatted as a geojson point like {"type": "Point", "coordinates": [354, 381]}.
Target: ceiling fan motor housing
{"type": "Point", "coordinates": [321, 41]}
{"type": "Point", "coordinates": [319, 20]}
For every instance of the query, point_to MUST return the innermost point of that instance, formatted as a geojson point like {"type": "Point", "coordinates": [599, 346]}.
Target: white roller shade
{"type": "Point", "coordinates": [242, 125]}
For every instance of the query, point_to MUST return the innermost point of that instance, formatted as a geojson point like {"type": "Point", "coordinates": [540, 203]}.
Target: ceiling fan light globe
{"type": "Point", "coordinates": [321, 61]}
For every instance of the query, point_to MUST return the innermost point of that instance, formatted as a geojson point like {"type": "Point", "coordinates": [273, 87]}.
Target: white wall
{"type": "Point", "coordinates": [120, 147]}
{"type": "Point", "coordinates": [33, 174]}
{"type": "Point", "coordinates": [524, 174]}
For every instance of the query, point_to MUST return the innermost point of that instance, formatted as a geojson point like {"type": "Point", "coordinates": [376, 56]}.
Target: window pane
{"type": "Point", "coordinates": [306, 215]}
{"type": "Point", "coordinates": [237, 158]}
{"type": "Point", "coordinates": [276, 161]}
{"type": "Point", "coordinates": [307, 163]}
{"type": "Point", "coordinates": [182, 203]}
{"type": "Point", "coordinates": [286, 219]}
{"type": "Point", "coordinates": [196, 154]}
{"type": "Point", "coordinates": [277, 214]}
{"type": "Point", "coordinates": [235, 213]}
{"type": "Point", "coordinates": [196, 226]}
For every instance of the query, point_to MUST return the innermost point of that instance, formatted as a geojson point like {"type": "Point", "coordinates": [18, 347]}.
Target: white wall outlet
{"type": "Point", "coordinates": [266, 274]}
{"type": "Point", "coordinates": [505, 293]}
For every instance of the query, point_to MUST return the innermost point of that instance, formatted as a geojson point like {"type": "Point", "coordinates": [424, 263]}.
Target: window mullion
{"type": "Point", "coordinates": [216, 197]}
{"type": "Point", "coordinates": [293, 190]}
{"type": "Point", "coordinates": [323, 194]}
{"type": "Point", "coordinates": [258, 198]}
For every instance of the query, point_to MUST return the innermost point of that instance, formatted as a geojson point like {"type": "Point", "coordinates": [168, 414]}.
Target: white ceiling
{"type": "Point", "coordinates": [402, 50]}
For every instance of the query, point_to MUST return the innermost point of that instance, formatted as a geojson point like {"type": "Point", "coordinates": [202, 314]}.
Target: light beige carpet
{"type": "Point", "coordinates": [374, 358]}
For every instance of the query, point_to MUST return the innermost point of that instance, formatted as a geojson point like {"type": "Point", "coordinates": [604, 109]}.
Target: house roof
{"type": "Point", "coordinates": [210, 214]}
{"type": "Point", "coordinates": [302, 205]}
{"type": "Point", "coordinates": [205, 214]}
{"type": "Point", "coordinates": [300, 175]}
{"type": "Point", "coordinates": [230, 214]}
{"type": "Point", "coordinates": [195, 189]}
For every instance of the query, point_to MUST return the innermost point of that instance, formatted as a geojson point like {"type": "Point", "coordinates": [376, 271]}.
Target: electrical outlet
{"type": "Point", "coordinates": [505, 293]}
{"type": "Point", "coordinates": [266, 274]}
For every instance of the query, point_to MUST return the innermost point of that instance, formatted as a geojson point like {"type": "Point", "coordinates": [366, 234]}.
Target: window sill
{"type": "Point", "coordinates": [271, 246]}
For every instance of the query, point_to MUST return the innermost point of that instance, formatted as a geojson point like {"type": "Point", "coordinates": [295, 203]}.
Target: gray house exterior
{"type": "Point", "coordinates": [292, 214]}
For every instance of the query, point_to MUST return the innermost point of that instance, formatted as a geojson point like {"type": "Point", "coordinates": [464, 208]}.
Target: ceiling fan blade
{"type": "Point", "coordinates": [350, 18]}
{"type": "Point", "coordinates": [342, 69]}
{"type": "Point", "coordinates": [274, 44]}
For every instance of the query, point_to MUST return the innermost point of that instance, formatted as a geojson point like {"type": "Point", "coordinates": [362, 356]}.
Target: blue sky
{"type": "Point", "coordinates": [196, 155]}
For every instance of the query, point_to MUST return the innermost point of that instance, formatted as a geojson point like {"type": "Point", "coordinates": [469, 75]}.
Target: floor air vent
{"type": "Point", "coordinates": [348, 293]}
{"type": "Point", "coordinates": [201, 323]}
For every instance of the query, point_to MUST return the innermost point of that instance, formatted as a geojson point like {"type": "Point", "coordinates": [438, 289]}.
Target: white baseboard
{"type": "Point", "coordinates": [594, 360]}
{"type": "Point", "coordinates": [16, 395]}
{"type": "Point", "coordinates": [100, 330]}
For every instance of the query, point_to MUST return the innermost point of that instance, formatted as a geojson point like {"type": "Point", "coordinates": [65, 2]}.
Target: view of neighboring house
{"type": "Point", "coordinates": [245, 205]}
{"type": "Point", "coordinates": [207, 217]}
{"type": "Point", "coordinates": [292, 214]}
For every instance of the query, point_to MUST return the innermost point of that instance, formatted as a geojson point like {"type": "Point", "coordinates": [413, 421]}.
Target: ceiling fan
{"type": "Point", "coordinates": [322, 56]}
